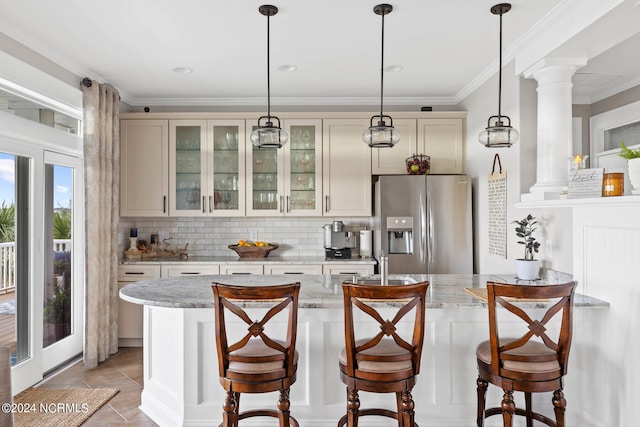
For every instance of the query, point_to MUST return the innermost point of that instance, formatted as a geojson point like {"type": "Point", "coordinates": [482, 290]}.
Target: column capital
{"type": "Point", "coordinates": [568, 66]}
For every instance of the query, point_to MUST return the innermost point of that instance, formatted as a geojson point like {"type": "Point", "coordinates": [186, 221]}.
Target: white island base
{"type": "Point", "coordinates": [181, 385]}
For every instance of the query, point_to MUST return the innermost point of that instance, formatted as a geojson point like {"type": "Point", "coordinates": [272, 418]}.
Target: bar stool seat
{"type": "Point", "coordinates": [534, 362]}
{"type": "Point", "coordinates": [388, 362]}
{"type": "Point", "coordinates": [257, 362]}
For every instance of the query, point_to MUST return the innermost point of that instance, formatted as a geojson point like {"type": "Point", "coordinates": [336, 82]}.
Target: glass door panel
{"type": "Point", "coordinates": [188, 168]}
{"type": "Point", "coordinates": [302, 170]}
{"type": "Point", "coordinates": [14, 256]}
{"type": "Point", "coordinates": [228, 190]}
{"type": "Point", "coordinates": [265, 186]}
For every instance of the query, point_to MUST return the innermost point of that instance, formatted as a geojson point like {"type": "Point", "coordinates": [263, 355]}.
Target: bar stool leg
{"type": "Point", "coordinates": [559, 406]}
{"type": "Point", "coordinates": [408, 405]}
{"type": "Point", "coordinates": [283, 408]}
{"type": "Point", "coordinates": [482, 394]}
{"type": "Point", "coordinates": [230, 411]}
{"type": "Point", "coordinates": [528, 410]}
{"type": "Point", "coordinates": [353, 405]}
{"type": "Point", "coordinates": [508, 408]}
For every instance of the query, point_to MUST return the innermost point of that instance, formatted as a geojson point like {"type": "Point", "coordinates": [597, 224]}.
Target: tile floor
{"type": "Point", "coordinates": [123, 371]}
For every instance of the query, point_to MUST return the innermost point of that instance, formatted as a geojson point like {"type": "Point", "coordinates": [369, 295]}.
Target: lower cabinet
{"type": "Point", "coordinates": [188, 270]}
{"type": "Point", "coordinates": [129, 314]}
{"type": "Point", "coordinates": [241, 269]}
{"type": "Point", "coordinates": [292, 269]}
{"type": "Point", "coordinates": [354, 269]}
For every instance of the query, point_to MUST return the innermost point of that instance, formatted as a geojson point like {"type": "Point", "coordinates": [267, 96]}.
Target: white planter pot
{"type": "Point", "coordinates": [527, 270]}
{"type": "Point", "coordinates": [634, 174]}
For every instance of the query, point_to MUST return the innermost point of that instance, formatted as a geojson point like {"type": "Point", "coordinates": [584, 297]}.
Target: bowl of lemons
{"type": "Point", "coordinates": [249, 249]}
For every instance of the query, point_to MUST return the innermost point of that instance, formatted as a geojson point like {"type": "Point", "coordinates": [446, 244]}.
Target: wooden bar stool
{"type": "Point", "coordinates": [256, 363]}
{"type": "Point", "coordinates": [387, 362]}
{"type": "Point", "coordinates": [526, 363]}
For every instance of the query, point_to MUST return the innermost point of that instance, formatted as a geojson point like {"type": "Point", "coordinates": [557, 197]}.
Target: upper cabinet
{"type": "Point", "coordinates": [391, 161]}
{"type": "Point", "coordinates": [287, 180]}
{"type": "Point", "coordinates": [206, 168]}
{"type": "Point", "coordinates": [442, 139]}
{"type": "Point", "coordinates": [439, 138]}
{"type": "Point", "coordinates": [346, 168]}
{"type": "Point", "coordinates": [144, 167]}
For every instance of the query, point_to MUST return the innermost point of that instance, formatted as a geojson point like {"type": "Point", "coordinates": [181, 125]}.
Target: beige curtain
{"type": "Point", "coordinates": [101, 183]}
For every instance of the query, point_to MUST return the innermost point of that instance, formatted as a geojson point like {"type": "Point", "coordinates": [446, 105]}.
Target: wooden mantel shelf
{"type": "Point", "coordinates": [621, 201]}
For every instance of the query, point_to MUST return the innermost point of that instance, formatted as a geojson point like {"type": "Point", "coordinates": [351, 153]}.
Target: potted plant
{"type": "Point", "coordinates": [527, 268]}
{"type": "Point", "coordinates": [57, 311]}
{"type": "Point", "coordinates": [633, 163]}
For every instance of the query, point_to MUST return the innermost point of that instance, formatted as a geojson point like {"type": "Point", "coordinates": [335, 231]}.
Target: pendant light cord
{"type": "Point", "coordinates": [268, 73]}
{"type": "Point", "coordinates": [382, 67]}
{"type": "Point", "coordinates": [500, 74]}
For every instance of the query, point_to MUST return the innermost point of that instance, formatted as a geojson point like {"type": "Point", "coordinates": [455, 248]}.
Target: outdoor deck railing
{"type": "Point", "coordinates": [8, 257]}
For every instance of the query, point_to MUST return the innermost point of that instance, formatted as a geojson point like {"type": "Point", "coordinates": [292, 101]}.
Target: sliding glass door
{"type": "Point", "coordinates": [62, 292]}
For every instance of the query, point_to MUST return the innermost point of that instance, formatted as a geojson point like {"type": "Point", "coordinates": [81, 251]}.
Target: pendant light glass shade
{"type": "Point", "coordinates": [381, 134]}
{"type": "Point", "coordinates": [499, 132]}
{"type": "Point", "coordinates": [268, 134]}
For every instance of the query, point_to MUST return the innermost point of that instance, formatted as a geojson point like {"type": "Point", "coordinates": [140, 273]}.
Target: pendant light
{"type": "Point", "coordinates": [381, 135]}
{"type": "Point", "coordinates": [268, 135]}
{"type": "Point", "coordinates": [499, 134]}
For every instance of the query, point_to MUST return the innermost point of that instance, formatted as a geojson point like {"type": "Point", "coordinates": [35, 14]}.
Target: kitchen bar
{"type": "Point", "coordinates": [180, 370]}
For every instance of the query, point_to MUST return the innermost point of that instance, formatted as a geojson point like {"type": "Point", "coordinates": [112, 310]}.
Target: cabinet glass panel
{"type": "Point", "coordinates": [226, 180]}
{"type": "Point", "coordinates": [265, 178]}
{"type": "Point", "coordinates": [302, 167]}
{"type": "Point", "coordinates": [188, 174]}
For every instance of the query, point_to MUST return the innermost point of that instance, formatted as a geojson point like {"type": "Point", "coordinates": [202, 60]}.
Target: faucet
{"type": "Point", "coordinates": [384, 269]}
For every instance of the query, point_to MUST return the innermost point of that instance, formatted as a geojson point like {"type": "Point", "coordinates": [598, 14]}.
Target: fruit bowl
{"type": "Point", "coordinates": [252, 251]}
{"type": "Point", "coordinates": [418, 164]}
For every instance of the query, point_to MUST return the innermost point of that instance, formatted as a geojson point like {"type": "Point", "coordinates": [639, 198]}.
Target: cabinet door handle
{"type": "Point", "coordinates": [288, 207]}
{"type": "Point", "coordinates": [164, 204]}
{"type": "Point", "coordinates": [204, 205]}
{"type": "Point", "coordinates": [210, 205]}
{"type": "Point", "coordinates": [326, 203]}
{"type": "Point", "coordinates": [240, 272]}
{"type": "Point", "coordinates": [187, 273]}
{"type": "Point", "coordinates": [137, 273]}
{"type": "Point", "coordinates": [281, 204]}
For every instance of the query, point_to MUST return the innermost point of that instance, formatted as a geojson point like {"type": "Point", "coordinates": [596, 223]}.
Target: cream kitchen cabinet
{"type": "Point", "coordinates": [354, 269]}
{"type": "Point", "coordinates": [144, 168]}
{"type": "Point", "coordinates": [286, 181]}
{"type": "Point", "coordinates": [171, 270]}
{"type": "Point", "coordinates": [206, 168]}
{"type": "Point", "coordinates": [129, 314]}
{"type": "Point", "coordinates": [391, 161]}
{"type": "Point", "coordinates": [346, 168]}
{"type": "Point", "coordinates": [440, 138]}
{"type": "Point", "coordinates": [241, 269]}
{"type": "Point", "coordinates": [292, 269]}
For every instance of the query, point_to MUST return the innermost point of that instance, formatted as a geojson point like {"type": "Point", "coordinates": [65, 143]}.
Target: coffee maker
{"type": "Point", "coordinates": [337, 242]}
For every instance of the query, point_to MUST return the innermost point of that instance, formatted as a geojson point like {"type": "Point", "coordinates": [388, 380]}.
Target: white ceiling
{"type": "Point", "coordinates": [443, 47]}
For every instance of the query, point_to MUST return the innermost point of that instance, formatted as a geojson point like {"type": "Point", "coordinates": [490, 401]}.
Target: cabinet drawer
{"type": "Point", "coordinates": [189, 270]}
{"type": "Point", "coordinates": [241, 269]}
{"type": "Point", "coordinates": [133, 273]}
{"type": "Point", "coordinates": [293, 269]}
{"type": "Point", "coordinates": [347, 269]}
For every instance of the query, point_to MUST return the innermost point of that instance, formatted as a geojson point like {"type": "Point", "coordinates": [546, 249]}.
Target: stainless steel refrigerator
{"type": "Point", "coordinates": [423, 223]}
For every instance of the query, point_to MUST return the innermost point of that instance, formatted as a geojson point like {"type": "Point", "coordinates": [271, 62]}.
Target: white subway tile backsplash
{"type": "Point", "coordinates": [211, 236]}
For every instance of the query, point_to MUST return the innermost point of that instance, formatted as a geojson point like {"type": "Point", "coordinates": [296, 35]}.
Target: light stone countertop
{"type": "Point", "coordinates": [322, 291]}
{"type": "Point", "coordinates": [233, 259]}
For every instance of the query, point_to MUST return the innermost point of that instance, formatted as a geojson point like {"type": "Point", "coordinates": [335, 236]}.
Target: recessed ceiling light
{"type": "Point", "coordinates": [287, 68]}
{"type": "Point", "coordinates": [183, 70]}
{"type": "Point", "coordinates": [394, 68]}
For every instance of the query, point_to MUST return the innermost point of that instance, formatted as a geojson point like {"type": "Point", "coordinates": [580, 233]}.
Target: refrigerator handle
{"type": "Point", "coordinates": [430, 227]}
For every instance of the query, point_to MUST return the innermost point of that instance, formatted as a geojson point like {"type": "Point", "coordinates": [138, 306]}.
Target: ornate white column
{"type": "Point", "coordinates": [554, 126]}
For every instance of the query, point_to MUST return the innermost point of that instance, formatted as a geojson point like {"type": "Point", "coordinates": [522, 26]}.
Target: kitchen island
{"type": "Point", "coordinates": [180, 368]}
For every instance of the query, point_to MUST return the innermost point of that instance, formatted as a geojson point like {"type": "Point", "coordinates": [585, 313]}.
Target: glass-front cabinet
{"type": "Point", "coordinates": [287, 181]}
{"type": "Point", "coordinates": [206, 168]}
